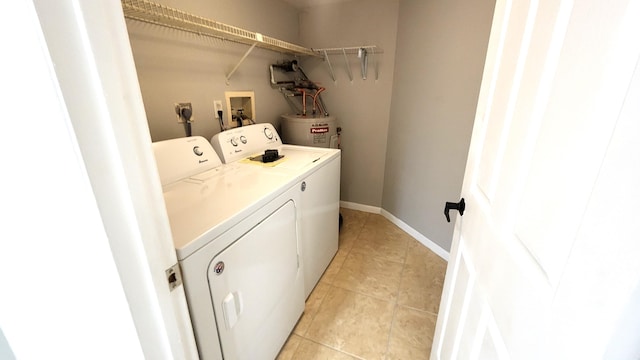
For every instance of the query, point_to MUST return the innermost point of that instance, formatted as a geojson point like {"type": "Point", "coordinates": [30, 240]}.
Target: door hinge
{"type": "Point", "coordinates": [174, 276]}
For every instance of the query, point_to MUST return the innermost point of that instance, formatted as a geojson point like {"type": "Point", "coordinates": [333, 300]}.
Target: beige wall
{"type": "Point", "coordinates": [440, 57]}
{"type": "Point", "coordinates": [362, 107]}
{"type": "Point", "coordinates": [175, 66]}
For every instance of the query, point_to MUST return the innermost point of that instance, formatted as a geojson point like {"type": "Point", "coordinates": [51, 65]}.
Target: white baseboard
{"type": "Point", "coordinates": [360, 207]}
{"type": "Point", "coordinates": [399, 223]}
{"type": "Point", "coordinates": [416, 235]}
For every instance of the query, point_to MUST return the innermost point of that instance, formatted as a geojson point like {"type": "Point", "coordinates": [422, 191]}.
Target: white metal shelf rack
{"type": "Point", "coordinates": [162, 15]}
{"type": "Point", "coordinates": [153, 13]}
{"type": "Point", "coordinates": [363, 52]}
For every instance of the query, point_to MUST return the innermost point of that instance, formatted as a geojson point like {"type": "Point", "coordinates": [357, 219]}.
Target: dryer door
{"type": "Point", "coordinates": [257, 288]}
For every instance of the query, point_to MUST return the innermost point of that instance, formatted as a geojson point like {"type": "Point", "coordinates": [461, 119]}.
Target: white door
{"type": "Point", "coordinates": [98, 91]}
{"type": "Point", "coordinates": [544, 262]}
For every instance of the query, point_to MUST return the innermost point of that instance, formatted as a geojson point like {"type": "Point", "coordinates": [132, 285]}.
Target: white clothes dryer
{"type": "Point", "coordinates": [235, 230]}
{"type": "Point", "coordinates": [314, 171]}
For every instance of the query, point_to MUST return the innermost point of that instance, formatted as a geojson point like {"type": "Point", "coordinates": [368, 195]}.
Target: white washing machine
{"type": "Point", "coordinates": [314, 171]}
{"type": "Point", "coordinates": [235, 230]}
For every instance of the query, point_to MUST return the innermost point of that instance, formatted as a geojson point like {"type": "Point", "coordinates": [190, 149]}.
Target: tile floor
{"type": "Point", "coordinates": [378, 299]}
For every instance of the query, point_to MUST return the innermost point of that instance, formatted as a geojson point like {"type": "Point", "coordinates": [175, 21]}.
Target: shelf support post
{"type": "Point", "coordinates": [375, 62]}
{"type": "Point", "coordinates": [346, 63]}
{"type": "Point", "coordinates": [240, 62]}
{"type": "Point", "coordinates": [326, 58]}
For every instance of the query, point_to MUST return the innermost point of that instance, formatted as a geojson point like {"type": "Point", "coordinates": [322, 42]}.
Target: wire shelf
{"type": "Point", "coordinates": [153, 13]}
{"type": "Point", "coordinates": [363, 52]}
{"type": "Point", "coordinates": [349, 50]}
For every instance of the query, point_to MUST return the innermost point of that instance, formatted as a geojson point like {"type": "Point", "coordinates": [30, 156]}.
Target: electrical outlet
{"type": "Point", "coordinates": [217, 106]}
{"type": "Point", "coordinates": [184, 112]}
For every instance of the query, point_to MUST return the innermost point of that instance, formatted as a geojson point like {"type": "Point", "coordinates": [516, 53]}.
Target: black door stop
{"type": "Point", "coordinates": [454, 206]}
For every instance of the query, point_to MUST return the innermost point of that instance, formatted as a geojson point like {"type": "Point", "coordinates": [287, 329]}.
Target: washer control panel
{"type": "Point", "coordinates": [242, 142]}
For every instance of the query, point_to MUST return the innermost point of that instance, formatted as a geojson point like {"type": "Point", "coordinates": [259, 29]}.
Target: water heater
{"type": "Point", "coordinates": [314, 130]}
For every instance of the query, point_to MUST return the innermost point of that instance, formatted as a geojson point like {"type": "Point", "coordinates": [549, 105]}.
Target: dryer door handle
{"type": "Point", "coordinates": [232, 309]}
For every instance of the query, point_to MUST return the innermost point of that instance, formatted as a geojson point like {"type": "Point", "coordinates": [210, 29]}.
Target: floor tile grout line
{"type": "Point", "coordinates": [293, 351]}
{"type": "Point", "coordinates": [418, 309]}
{"type": "Point", "coordinates": [393, 320]}
{"type": "Point", "coordinates": [317, 310]}
{"type": "Point", "coordinates": [396, 306]}
{"type": "Point", "coordinates": [364, 294]}
{"type": "Point", "coordinates": [375, 256]}
{"type": "Point", "coordinates": [336, 349]}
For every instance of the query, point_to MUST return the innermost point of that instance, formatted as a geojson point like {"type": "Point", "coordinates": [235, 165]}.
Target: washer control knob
{"type": "Point", "coordinates": [268, 133]}
{"type": "Point", "coordinates": [197, 151]}
{"type": "Point", "coordinates": [243, 139]}
{"type": "Point", "coordinates": [234, 142]}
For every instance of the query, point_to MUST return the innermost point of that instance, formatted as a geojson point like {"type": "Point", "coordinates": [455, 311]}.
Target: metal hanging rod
{"type": "Point", "coordinates": [363, 52]}
{"type": "Point", "coordinates": [348, 50]}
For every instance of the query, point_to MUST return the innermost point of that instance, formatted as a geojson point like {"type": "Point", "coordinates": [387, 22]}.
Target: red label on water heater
{"type": "Point", "coordinates": [320, 130]}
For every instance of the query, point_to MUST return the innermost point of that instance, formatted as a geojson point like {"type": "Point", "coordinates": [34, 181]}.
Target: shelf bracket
{"type": "Point", "coordinates": [240, 62]}
{"type": "Point", "coordinates": [362, 54]}
{"type": "Point", "coordinates": [375, 63]}
{"type": "Point", "coordinates": [326, 58]}
{"type": "Point", "coordinates": [346, 63]}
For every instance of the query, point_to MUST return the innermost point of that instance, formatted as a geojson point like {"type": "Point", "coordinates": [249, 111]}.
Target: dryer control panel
{"type": "Point", "coordinates": [243, 142]}
{"type": "Point", "coordinates": [183, 157]}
